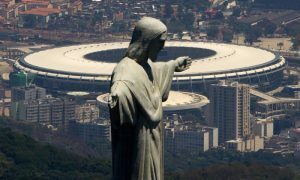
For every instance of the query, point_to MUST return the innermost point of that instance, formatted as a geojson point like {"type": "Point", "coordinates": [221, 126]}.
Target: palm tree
{"type": "Point", "coordinates": [280, 44]}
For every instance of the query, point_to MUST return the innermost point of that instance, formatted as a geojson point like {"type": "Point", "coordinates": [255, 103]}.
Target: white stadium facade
{"type": "Point", "coordinates": [178, 103]}
{"type": "Point", "coordinates": [88, 67]}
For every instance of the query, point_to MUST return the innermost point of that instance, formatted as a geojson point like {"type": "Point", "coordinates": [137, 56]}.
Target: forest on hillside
{"type": "Point", "coordinates": [21, 157]}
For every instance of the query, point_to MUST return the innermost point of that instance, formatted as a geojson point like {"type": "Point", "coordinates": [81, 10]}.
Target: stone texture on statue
{"type": "Point", "coordinates": [139, 85]}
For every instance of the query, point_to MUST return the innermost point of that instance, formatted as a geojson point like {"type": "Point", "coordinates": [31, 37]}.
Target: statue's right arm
{"type": "Point", "coordinates": [122, 105]}
{"type": "Point", "coordinates": [182, 63]}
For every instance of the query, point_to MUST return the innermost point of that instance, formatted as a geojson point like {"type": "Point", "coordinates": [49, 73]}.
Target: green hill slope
{"type": "Point", "coordinates": [23, 158]}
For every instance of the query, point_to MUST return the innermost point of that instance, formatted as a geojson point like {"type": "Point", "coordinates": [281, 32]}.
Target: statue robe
{"type": "Point", "coordinates": [136, 118]}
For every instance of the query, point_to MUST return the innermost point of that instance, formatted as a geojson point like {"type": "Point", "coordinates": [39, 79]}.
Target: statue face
{"type": "Point", "coordinates": [156, 46]}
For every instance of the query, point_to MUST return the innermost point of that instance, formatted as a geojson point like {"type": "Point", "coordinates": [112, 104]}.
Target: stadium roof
{"type": "Point", "coordinates": [177, 101]}
{"type": "Point", "coordinates": [70, 60]}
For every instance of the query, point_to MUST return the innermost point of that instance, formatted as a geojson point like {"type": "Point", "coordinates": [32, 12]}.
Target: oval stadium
{"type": "Point", "coordinates": [88, 67]}
{"type": "Point", "coordinates": [178, 103]}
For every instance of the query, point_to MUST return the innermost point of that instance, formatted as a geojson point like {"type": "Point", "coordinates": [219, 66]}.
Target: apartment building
{"type": "Point", "coordinates": [229, 110]}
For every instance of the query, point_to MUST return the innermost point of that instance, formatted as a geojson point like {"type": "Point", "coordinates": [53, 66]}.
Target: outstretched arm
{"type": "Point", "coordinates": [182, 63]}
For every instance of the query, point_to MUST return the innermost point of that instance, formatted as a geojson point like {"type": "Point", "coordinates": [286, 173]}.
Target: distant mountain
{"type": "Point", "coordinates": [21, 157]}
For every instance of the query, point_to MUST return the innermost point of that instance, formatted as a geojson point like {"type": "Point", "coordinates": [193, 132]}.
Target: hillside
{"type": "Point", "coordinates": [23, 158]}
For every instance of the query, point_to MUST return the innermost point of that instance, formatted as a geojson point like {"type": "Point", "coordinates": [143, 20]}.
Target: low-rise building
{"type": "Point", "coordinates": [92, 130]}
{"type": "Point", "coordinates": [263, 127]}
{"type": "Point", "coordinates": [32, 4]}
{"type": "Point", "coordinates": [28, 93]}
{"type": "Point", "coordinates": [54, 111]}
{"type": "Point", "coordinates": [38, 16]}
{"type": "Point", "coordinates": [236, 144]}
{"type": "Point", "coordinates": [248, 144]}
{"type": "Point", "coordinates": [213, 136]}
{"type": "Point", "coordinates": [86, 112]}
{"type": "Point", "coordinates": [189, 138]}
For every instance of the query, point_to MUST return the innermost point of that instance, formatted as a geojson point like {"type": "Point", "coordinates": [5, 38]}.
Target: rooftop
{"type": "Point", "coordinates": [41, 11]}
{"type": "Point", "coordinates": [177, 100]}
{"type": "Point", "coordinates": [36, 1]}
{"type": "Point", "coordinates": [228, 58]}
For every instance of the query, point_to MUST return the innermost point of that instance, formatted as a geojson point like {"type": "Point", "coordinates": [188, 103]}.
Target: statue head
{"type": "Point", "coordinates": [147, 40]}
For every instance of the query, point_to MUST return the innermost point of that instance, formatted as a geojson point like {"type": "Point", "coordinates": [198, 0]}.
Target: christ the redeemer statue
{"type": "Point", "coordinates": [139, 85]}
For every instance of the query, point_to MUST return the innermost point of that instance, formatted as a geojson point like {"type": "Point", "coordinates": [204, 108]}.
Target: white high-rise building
{"type": "Point", "coordinates": [229, 110]}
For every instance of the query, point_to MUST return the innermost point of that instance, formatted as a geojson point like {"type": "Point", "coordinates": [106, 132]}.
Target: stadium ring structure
{"type": "Point", "coordinates": [178, 102]}
{"type": "Point", "coordinates": [88, 67]}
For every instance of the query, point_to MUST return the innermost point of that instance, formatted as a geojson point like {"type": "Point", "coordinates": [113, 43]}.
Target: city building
{"type": "Point", "coordinates": [96, 130]}
{"type": "Point", "coordinates": [213, 136]}
{"type": "Point", "coordinates": [44, 112]}
{"type": "Point", "coordinates": [263, 127]}
{"type": "Point", "coordinates": [26, 111]}
{"type": "Point", "coordinates": [229, 110]}
{"type": "Point", "coordinates": [277, 107]}
{"type": "Point", "coordinates": [86, 112]}
{"type": "Point", "coordinates": [49, 110]}
{"type": "Point", "coordinates": [4, 6]}
{"type": "Point", "coordinates": [178, 140]}
{"type": "Point", "coordinates": [57, 111]}
{"type": "Point", "coordinates": [248, 144]}
{"type": "Point", "coordinates": [295, 133]}
{"type": "Point", "coordinates": [292, 89]}
{"type": "Point", "coordinates": [27, 93]}
{"type": "Point", "coordinates": [284, 145]}
{"type": "Point", "coordinates": [184, 137]}
{"type": "Point", "coordinates": [9, 9]}
{"type": "Point", "coordinates": [13, 53]}
{"type": "Point", "coordinates": [236, 144]}
{"type": "Point", "coordinates": [40, 16]}
{"type": "Point", "coordinates": [32, 4]}
{"type": "Point", "coordinates": [69, 112]}
{"type": "Point", "coordinates": [75, 7]}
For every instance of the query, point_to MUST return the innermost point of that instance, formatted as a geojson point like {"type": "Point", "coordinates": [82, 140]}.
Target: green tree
{"type": "Point", "coordinates": [269, 28]}
{"type": "Point", "coordinates": [175, 26]}
{"type": "Point", "coordinates": [98, 17]}
{"type": "Point", "coordinates": [120, 26]}
{"type": "Point", "coordinates": [212, 32]}
{"type": "Point", "coordinates": [296, 42]}
{"type": "Point", "coordinates": [280, 45]}
{"type": "Point", "coordinates": [21, 157]}
{"type": "Point", "coordinates": [219, 15]}
{"type": "Point", "coordinates": [227, 36]}
{"type": "Point", "coordinates": [236, 12]}
{"type": "Point", "coordinates": [188, 20]}
{"type": "Point", "coordinates": [252, 34]}
{"type": "Point", "coordinates": [168, 11]}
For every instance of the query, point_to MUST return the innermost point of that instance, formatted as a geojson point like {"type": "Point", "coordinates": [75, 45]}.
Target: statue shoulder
{"type": "Point", "coordinates": [123, 65]}
{"type": "Point", "coordinates": [119, 90]}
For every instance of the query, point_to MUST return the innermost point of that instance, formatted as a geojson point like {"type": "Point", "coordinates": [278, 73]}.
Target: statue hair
{"type": "Point", "coordinates": [146, 30]}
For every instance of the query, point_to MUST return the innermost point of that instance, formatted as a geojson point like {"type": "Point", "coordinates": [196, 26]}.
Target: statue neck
{"type": "Point", "coordinates": [142, 59]}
